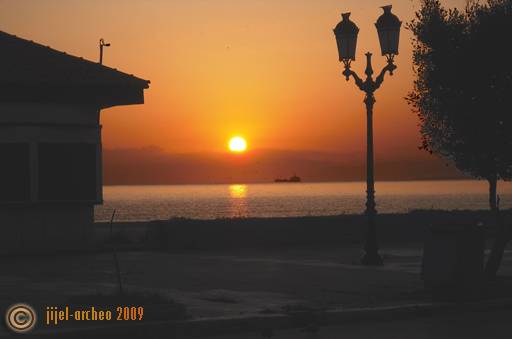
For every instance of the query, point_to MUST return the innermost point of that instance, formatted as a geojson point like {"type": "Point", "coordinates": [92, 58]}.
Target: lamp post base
{"type": "Point", "coordinates": [372, 259]}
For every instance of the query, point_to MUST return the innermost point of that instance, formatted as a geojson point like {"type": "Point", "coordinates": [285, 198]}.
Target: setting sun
{"type": "Point", "coordinates": [237, 145]}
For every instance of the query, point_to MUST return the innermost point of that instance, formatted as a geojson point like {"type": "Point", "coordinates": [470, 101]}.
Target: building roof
{"type": "Point", "coordinates": [25, 64]}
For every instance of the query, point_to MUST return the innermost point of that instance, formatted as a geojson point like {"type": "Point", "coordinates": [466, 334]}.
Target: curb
{"type": "Point", "coordinates": [253, 323]}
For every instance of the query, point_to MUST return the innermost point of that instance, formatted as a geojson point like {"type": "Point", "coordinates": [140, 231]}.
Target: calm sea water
{"type": "Point", "coordinates": [140, 203]}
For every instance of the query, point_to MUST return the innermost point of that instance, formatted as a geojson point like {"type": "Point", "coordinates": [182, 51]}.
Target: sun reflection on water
{"type": "Point", "coordinates": [238, 191]}
{"type": "Point", "coordinates": [238, 201]}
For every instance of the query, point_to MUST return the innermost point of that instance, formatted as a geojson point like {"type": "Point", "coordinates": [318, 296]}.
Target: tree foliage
{"type": "Point", "coordinates": [463, 87]}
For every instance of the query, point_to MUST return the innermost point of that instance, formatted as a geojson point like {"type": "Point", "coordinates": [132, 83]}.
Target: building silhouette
{"type": "Point", "coordinates": [50, 143]}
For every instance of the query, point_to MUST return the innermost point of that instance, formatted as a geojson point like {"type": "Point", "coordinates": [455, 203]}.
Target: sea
{"type": "Point", "coordinates": [144, 203]}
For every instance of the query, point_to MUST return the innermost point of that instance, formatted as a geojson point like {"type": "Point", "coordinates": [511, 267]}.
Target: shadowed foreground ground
{"type": "Point", "coordinates": [476, 325]}
{"type": "Point", "coordinates": [225, 283]}
{"type": "Point", "coordinates": [216, 283]}
{"type": "Point", "coordinates": [229, 268]}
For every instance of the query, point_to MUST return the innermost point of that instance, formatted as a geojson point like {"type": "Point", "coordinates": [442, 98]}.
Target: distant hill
{"type": "Point", "coordinates": [151, 165]}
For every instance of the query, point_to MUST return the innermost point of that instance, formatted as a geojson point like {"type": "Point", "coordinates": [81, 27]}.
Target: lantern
{"type": "Point", "coordinates": [388, 27]}
{"type": "Point", "coordinates": [346, 38]}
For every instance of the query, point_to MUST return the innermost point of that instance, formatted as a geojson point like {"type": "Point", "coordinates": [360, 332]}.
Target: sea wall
{"type": "Point", "coordinates": [188, 234]}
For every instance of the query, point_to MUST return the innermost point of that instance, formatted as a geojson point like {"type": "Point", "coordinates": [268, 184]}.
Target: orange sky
{"type": "Point", "coordinates": [264, 69]}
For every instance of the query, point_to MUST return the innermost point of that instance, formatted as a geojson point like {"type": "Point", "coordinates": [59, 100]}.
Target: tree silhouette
{"type": "Point", "coordinates": [463, 87]}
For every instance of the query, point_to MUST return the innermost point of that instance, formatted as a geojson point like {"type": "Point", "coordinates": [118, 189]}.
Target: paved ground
{"type": "Point", "coordinates": [217, 283]}
{"type": "Point", "coordinates": [478, 325]}
{"type": "Point", "coordinates": [223, 283]}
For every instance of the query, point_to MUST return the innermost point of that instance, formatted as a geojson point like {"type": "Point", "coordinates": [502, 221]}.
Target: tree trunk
{"type": "Point", "coordinates": [501, 237]}
{"type": "Point", "coordinates": [493, 186]}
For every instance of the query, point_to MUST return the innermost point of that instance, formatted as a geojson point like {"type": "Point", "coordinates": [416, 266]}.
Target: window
{"type": "Point", "coordinates": [67, 172]}
{"type": "Point", "coordinates": [14, 172]}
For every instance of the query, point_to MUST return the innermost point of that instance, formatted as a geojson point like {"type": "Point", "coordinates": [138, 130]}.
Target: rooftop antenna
{"type": "Point", "coordinates": [102, 44]}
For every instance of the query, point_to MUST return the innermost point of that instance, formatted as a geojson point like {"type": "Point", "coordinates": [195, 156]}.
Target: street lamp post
{"type": "Point", "coordinates": [388, 28]}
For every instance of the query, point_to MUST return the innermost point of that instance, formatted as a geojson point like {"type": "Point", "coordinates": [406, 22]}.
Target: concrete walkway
{"type": "Point", "coordinates": [476, 325]}
{"type": "Point", "coordinates": [226, 283]}
{"type": "Point", "coordinates": [222, 283]}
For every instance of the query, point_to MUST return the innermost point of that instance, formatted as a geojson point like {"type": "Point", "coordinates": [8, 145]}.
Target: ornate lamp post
{"type": "Point", "coordinates": [388, 28]}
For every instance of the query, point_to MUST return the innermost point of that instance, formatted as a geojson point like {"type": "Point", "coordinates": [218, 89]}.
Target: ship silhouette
{"type": "Point", "coordinates": [293, 178]}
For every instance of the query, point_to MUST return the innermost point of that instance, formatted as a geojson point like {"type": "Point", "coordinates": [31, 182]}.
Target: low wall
{"type": "Point", "coordinates": [186, 234]}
